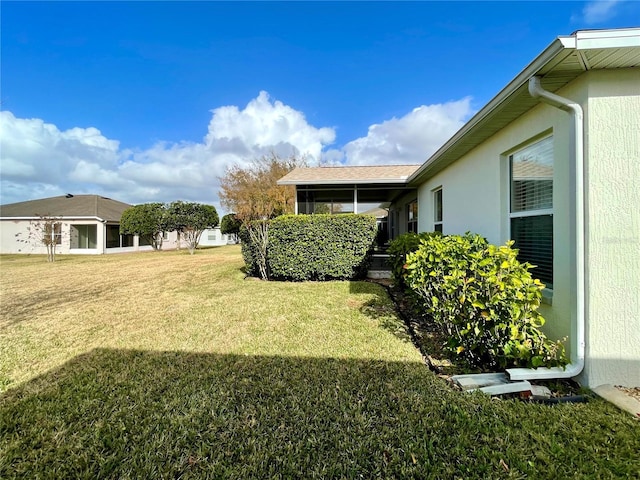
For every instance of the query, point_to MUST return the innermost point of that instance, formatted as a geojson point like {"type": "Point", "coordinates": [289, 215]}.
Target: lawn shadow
{"type": "Point", "coordinates": [144, 414]}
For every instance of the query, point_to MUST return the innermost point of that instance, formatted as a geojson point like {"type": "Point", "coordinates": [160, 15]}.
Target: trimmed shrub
{"type": "Point", "coordinates": [398, 250]}
{"type": "Point", "coordinates": [249, 252]}
{"type": "Point", "coordinates": [485, 300]}
{"type": "Point", "coordinates": [320, 247]}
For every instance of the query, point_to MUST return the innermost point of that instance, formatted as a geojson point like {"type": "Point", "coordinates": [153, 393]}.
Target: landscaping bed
{"type": "Point", "coordinates": [430, 340]}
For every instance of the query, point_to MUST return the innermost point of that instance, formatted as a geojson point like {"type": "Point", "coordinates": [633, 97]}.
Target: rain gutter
{"type": "Point", "coordinates": [577, 153]}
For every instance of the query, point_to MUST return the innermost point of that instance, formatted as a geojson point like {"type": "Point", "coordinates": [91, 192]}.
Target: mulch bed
{"type": "Point", "coordinates": [430, 340]}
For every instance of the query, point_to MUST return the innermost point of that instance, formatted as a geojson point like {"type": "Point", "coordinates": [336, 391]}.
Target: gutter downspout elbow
{"type": "Point", "coordinates": [577, 145]}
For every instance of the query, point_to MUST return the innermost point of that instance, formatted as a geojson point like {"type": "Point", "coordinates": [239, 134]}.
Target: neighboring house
{"type": "Point", "coordinates": [89, 224]}
{"type": "Point", "coordinates": [213, 237]}
{"type": "Point", "coordinates": [553, 163]}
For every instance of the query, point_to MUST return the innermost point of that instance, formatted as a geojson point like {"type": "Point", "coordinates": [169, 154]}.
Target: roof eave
{"type": "Point", "coordinates": [555, 49]}
{"type": "Point", "coordinates": [372, 181]}
{"type": "Point", "coordinates": [56, 217]}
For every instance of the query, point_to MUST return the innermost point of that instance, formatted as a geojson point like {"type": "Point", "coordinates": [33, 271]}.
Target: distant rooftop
{"type": "Point", "coordinates": [69, 206]}
{"type": "Point", "coordinates": [389, 174]}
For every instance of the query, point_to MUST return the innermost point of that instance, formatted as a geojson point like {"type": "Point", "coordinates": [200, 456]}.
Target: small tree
{"type": "Point", "coordinates": [190, 220]}
{"type": "Point", "coordinates": [253, 193]}
{"type": "Point", "coordinates": [148, 221]}
{"type": "Point", "coordinates": [47, 231]}
{"type": "Point", "coordinates": [230, 225]}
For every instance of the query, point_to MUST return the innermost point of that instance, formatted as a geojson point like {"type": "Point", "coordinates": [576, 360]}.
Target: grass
{"type": "Point", "coordinates": [166, 365]}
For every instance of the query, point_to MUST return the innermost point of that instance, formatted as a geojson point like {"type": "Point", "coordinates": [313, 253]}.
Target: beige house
{"type": "Point", "coordinates": [552, 162]}
{"type": "Point", "coordinates": [88, 224]}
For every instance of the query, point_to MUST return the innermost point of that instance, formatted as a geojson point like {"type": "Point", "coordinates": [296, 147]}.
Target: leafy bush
{"type": "Point", "coordinates": [148, 220]}
{"type": "Point", "coordinates": [485, 299]}
{"type": "Point", "coordinates": [398, 250]}
{"type": "Point", "coordinates": [320, 247]}
{"type": "Point", "coordinates": [249, 251]}
{"type": "Point", "coordinates": [230, 225]}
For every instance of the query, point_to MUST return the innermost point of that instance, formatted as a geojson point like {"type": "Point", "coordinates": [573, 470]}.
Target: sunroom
{"type": "Point", "coordinates": [379, 190]}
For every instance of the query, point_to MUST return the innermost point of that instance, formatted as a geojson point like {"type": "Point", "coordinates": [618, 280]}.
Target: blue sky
{"type": "Point", "coordinates": [152, 101]}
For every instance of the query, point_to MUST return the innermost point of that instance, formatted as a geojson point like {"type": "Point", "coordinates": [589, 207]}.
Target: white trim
{"type": "Point", "coordinates": [531, 213]}
{"type": "Point", "coordinates": [437, 222]}
{"type": "Point", "coordinates": [359, 181]}
{"type": "Point", "coordinates": [57, 217]}
{"type": "Point", "coordinates": [561, 48]}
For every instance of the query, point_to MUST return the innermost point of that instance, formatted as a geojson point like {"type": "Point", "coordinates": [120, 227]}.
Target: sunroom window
{"type": "Point", "coordinates": [531, 210]}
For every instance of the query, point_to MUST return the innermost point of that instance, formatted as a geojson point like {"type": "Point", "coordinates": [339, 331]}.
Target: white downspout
{"type": "Point", "coordinates": [577, 363]}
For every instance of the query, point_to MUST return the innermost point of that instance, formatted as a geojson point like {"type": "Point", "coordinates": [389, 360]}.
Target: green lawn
{"type": "Point", "coordinates": [166, 365]}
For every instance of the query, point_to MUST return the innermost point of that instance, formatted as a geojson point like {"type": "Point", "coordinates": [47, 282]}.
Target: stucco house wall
{"type": "Point", "coordinates": [613, 220]}
{"type": "Point", "coordinates": [475, 197]}
{"type": "Point", "coordinates": [214, 237]}
{"type": "Point", "coordinates": [15, 239]}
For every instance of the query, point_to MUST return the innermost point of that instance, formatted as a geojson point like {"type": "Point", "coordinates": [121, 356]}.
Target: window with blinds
{"type": "Point", "coordinates": [531, 210]}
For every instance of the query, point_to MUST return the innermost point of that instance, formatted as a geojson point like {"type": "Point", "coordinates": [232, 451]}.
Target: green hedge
{"type": "Point", "coordinates": [249, 254]}
{"type": "Point", "coordinates": [320, 247]}
{"type": "Point", "coordinates": [485, 300]}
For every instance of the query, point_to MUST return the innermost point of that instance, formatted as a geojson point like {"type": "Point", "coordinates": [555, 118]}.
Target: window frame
{"type": "Point", "coordinates": [535, 212]}
{"type": "Point", "coordinates": [437, 209]}
{"type": "Point", "coordinates": [412, 220]}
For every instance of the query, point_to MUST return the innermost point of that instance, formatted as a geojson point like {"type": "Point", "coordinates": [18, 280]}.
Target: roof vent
{"type": "Point", "coordinates": [68, 195]}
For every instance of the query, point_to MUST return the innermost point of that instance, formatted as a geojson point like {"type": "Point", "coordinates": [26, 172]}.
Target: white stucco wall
{"type": "Point", "coordinates": [476, 198]}
{"type": "Point", "coordinates": [14, 239]}
{"type": "Point", "coordinates": [613, 219]}
{"type": "Point", "coordinates": [214, 237]}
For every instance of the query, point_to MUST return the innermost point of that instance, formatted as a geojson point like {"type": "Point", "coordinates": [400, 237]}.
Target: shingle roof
{"type": "Point", "coordinates": [67, 206]}
{"type": "Point", "coordinates": [397, 174]}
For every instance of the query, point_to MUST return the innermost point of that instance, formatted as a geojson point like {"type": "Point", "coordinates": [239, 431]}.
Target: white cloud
{"type": "Point", "coordinates": [40, 160]}
{"type": "Point", "coordinates": [37, 151]}
{"type": "Point", "coordinates": [598, 11]}
{"type": "Point", "coordinates": [409, 139]}
{"type": "Point", "coordinates": [263, 126]}
{"type": "Point", "coordinates": [37, 157]}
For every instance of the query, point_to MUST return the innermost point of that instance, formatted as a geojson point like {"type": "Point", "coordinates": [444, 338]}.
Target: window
{"type": "Point", "coordinates": [116, 240]}
{"type": "Point", "coordinates": [211, 236]}
{"type": "Point", "coordinates": [53, 231]}
{"type": "Point", "coordinates": [531, 206]}
{"type": "Point", "coordinates": [84, 236]}
{"type": "Point", "coordinates": [412, 217]}
{"type": "Point", "coordinates": [319, 201]}
{"type": "Point", "coordinates": [437, 210]}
